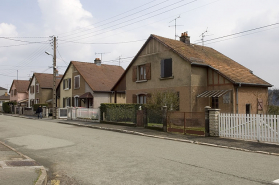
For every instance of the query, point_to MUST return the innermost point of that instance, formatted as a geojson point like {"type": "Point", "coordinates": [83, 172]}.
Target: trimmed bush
{"type": "Point", "coordinates": [6, 107]}
{"type": "Point", "coordinates": [273, 110]}
{"type": "Point", "coordinates": [119, 112]}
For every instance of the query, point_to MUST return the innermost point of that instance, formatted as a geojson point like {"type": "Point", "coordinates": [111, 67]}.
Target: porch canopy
{"type": "Point", "coordinates": [86, 96]}
{"type": "Point", "coordinates": [213, 93]}
{"type": "Point", "coordinates": [23, 101]}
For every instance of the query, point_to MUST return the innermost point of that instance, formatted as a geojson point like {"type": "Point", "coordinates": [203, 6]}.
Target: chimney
{"type": "Point", "coordinates": [185, 38]}
{"type": "Point", "coordinates": [97, 61]}
{"type": "Point", "coordinates": [6, 93]}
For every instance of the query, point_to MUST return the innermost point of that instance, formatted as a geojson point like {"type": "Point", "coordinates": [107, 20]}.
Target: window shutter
{"type": "Point", "coordinates": [178, 102]}
{"type": "Point", "coordinates": [69, 81]}
{"type": "Point", "coordinates": [134, 76]}
{"type": "Point", "coordinates": [73, 102]}
{"type": "Point", "coordinates": [148, 71]}
{"type": "Point", "coordinates": [168, 68]}
{"type": "Point", "coordinates": [79, 102]}
{"type": "Point", "coordinates": [69, 101]}
{"type": "Point", "coordinates": [162, 69]}
{"type": "Point", "coordinates": [134, 98]}
{"type": "Point", "coordinates": [64, 84]}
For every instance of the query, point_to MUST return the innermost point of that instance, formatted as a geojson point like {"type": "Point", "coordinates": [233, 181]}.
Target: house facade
{"type": "Point", "coordinates": [88, 84]}
{"type": "Point", "coordinates": [19, 92]}
{"type": "Point", "coordinates": [201, 76]}
{"type": "Point", "coordinates": [3, 91]}
{"type": "Point", "coordinates": [40, 88]}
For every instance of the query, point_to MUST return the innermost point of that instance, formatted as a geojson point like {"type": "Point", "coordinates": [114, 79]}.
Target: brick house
{"type": "Point", "coordinates": [200, 75]}
{"type": "Point", "coordinates": [19, 92]}
{"type": "Point", "coordinates": [40, 88]}
{"type": "Point", "coordinates": [87, 84]}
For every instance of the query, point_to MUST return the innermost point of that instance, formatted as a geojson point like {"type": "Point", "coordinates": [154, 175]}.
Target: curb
{"type": "Point", "coordinates": [168, 138]}
{"type": "Point", "coordinates": [42, 180]}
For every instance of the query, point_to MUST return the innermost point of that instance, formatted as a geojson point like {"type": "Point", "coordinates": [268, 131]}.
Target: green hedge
{"type": "Point", "coordinates": [35, 106]}
{"type": "Point", "coordinates": [6, 107]}
{"type": "Point", "coordinates": [118, 112]}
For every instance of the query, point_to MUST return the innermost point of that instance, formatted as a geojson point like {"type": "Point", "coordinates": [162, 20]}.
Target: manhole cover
{"type": "Point", "coordinates": [22, 163]}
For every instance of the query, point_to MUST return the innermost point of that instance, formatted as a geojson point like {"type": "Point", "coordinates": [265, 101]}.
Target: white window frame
{"type": "Point", "coordinates": [78, 82]}
{"type": "Point", "coordinates": [141, 100]}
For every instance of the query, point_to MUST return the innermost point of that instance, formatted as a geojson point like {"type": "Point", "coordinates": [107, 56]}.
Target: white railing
{"type": "Point", "coordinates": [264, 128]}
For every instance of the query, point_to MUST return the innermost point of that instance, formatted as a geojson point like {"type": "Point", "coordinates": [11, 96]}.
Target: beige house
{"type": "Point", "coordinates": [200, 75]}
{"type": "Point", "coordinates": [19, 92]}
{"type": "Point", "coordinates": [40, 89]}
{"type": "Point", "coordinates": [87, 84]}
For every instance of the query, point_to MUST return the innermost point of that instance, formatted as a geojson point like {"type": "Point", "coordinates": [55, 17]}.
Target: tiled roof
{"type": "Point", "coordinates": [46, 80]}
{"type": "Point", "coordinates": [1, 88]}
{"type": "Point", "coordinates": [3, 97]}
{"type": "Point", "coordinates": [227, 67]}
{"type": "Point", "coordinates": [99, 78]}
{"type": "Point", "coordinates": [21, 85]}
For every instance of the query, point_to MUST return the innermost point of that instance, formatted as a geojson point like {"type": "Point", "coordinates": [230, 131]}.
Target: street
{"type": "Point", "coordinates": [79, 155]}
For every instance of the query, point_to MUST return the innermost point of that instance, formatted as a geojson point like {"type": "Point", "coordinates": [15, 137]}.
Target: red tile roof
{"type": "Point", "coordinates": [20, 85]}
{"type": "Point", "coordinates": [227, 67]}
{"type": "Point", "coordinates": [46, 80]}
{"type": "Point", "coordinates": [99, 78]}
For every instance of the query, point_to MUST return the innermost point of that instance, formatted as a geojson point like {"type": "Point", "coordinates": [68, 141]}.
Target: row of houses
{"type": "Point", "coordinates": [200, 75]}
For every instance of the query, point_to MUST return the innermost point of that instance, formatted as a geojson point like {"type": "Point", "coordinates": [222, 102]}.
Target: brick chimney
{"type": "Point", "coordinates": [97, 61]}
{"type": "Point", "coordinates": [185, 38]}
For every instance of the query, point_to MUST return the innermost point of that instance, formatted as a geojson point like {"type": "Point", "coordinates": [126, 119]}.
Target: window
{"type": "Point", "coordinates": [166, 68]}
{"type": "Point", "coordinates": [12, 92]}
{"type": "Point", "coordinates": [32, 89]}
{"type": "Point", "coordinates": [248, 108]}
{"type": "Point", "coordinates": [15, 92]}
{"type": "Point", "coordinates": [37, 88]}
{"type": "Point", "coordinates": [141, 72]}
{"type": "Point", "coordinates": [76, 100]}
{"type": "Point", "coordinates": [214, 103]}
{"type": "Point", "coordinates": [37, 101]}
{"type": "Point", "coordinates": [141, 99]}
{"type": "Point", "coordinates": [227, 98]}
{"type": "Point", "coordinates": [77, 81]}
{"type": "Point", "coordinates": [67, 84]}
{"type": "Point", "coordinates": [66, 102]}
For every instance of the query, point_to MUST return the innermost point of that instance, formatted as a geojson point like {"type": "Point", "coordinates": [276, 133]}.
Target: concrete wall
{"type": "Point", "coordinates": [100, 98]}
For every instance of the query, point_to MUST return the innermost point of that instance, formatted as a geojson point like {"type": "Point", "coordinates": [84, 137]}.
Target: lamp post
{"type": "Point", "coordinates": [54, 79]}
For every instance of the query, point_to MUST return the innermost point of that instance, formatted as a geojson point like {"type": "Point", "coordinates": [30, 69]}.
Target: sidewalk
{"type": "Point", "coordinates": [246, 146]}
{"type": "Point", "coordinates": [18, 169]}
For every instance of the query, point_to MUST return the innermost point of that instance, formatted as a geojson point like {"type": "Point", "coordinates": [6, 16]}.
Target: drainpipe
{"type": "Point", "coordinates": [237, 97]}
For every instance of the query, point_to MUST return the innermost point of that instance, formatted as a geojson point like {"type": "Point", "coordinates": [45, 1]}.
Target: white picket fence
{"type": "Point", "coordinates": [263, 128]}
{"type": "Point", "coordinates": [83, 113]}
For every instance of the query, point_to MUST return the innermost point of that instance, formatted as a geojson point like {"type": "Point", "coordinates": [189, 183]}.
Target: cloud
{"type": "Point", "coordinates": [8, 30]}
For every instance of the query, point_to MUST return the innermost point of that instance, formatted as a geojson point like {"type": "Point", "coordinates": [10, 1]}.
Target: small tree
{"type": "Point", "coordinates": [273, 100]}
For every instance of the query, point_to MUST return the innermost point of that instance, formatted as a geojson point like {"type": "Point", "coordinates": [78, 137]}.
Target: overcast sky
{"type": "Point", "coordinates": [27, 25]}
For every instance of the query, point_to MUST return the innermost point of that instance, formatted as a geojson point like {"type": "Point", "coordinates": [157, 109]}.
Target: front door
{"type": "Point", "coordinates": [248, 108]}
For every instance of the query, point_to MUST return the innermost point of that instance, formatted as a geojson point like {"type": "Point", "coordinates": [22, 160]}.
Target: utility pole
{"type": "Point", "coordinates": [175, 26]}
{"type": "Point", "coordinates": [54, 80]}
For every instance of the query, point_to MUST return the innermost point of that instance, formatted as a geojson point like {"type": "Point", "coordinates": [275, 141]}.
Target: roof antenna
{"type": "Point", "coordinates": [175, 26]}
{"type": "Point", "coordinates": [203, 35]}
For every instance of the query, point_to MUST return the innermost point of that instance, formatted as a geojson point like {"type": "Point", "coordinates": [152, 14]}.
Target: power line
{"type": "Point", "coordinates": [127, 15]}
{"type": "Point", "coordinates": [109, 18]}
{"type": "Point", "coordinates": [44, 42]}
{"type": "Point", "coordinates": [125, 42]}
{"type": "Point", "coordinates": [136, 21]}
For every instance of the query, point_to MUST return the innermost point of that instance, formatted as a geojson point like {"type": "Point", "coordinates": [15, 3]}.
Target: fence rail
{"type": "Point", "coordinates": [264, 128]}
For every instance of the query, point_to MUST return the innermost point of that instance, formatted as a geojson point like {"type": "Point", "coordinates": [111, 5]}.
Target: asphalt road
{"type": "Point", "coordinates": [78, 155]}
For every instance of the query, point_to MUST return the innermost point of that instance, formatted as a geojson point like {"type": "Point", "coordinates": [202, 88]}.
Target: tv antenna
{"type": "Point", "coordinates": [203, 35]}
{"type": "Point", "coordinates": [101, 54]}
{"type": "Point", "coordinates": [175, 26]}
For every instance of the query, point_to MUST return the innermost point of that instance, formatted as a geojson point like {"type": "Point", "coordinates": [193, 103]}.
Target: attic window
{"type": "Point", "coordinates": [166, 68]}
{"type": "Point", "coordinates": [37, 88]}
{"type": "Point", "coordinates": [142, 73]}
{"type": "Point", "coordinates": [67, 84]}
